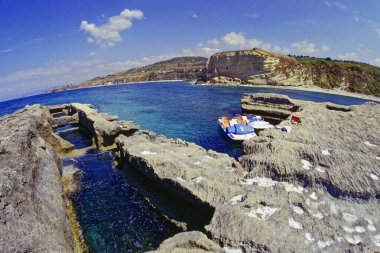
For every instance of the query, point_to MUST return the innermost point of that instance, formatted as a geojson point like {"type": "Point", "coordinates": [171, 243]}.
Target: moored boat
{"type": "Point", "coordinates": [258, 123]}
{"type": "Point", "coordinates": [237, 128]}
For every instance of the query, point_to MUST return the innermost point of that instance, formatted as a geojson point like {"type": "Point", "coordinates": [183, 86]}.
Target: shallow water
{"type": "Point", "coordinates": [175, 109]}
{"type": "Point", "coordinates": [76, 137]}
{"type": "Point", "coordinates": [114, 216]}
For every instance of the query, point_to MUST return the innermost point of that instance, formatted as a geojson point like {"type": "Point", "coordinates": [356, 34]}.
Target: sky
{"type": "Point", "coordinates": [45, 43]}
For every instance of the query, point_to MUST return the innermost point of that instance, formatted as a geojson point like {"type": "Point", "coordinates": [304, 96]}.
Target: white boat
{"type": "Point", "coordinates": [237, 128]}
{"type": "Point", "coordinates": [258, 123]}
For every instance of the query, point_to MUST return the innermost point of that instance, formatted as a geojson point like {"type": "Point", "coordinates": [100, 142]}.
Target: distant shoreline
{"type": "Point", "coordinates": [112, 84]}
{"type": "Point", "coordinates": [312, 89]}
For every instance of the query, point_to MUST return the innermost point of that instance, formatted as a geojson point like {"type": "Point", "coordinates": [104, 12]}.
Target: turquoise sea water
{"type": "Point", "coordinates": [175, 109]}
{"type": "Point", "coordinates": [113, 212]}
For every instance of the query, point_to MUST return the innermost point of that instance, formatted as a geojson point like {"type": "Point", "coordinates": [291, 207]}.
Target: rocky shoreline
{"type": "Point", "coordinates": [300, 88]}
{"type": "Point", "coordinates": [315, 188]}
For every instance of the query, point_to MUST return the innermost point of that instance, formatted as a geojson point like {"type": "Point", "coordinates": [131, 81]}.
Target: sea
{"type": "Point", "coordinates": [175, 109]}
{"type": "Point", "coordinates": [114, 212]}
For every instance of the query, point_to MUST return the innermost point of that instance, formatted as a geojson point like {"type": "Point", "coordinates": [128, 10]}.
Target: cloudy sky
{"type": "Point", "coordinates": [47, 43]}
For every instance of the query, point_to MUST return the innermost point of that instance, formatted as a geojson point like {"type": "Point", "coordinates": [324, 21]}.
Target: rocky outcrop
{"type": "Point", "coordinates": [333, 148]}
{"type": "Point", "coordinates": [256, 66]}
{"type": "Point", "coordinates": [266, 104]}
{"type": "Point", "coordinates": [309, 190]}
{"type": "Point", "coordinates": [259, 67]}
{"type": "Point", "coordinates": [33, 212]}
{"type": "Point", "coordinates": [313, 189]}
{"type": "Point", "coordinates": [101, 126]}
{"type": "Point", "coordinates": [183, 169]}
{"type": "Point", "coordinates": [188, 242]}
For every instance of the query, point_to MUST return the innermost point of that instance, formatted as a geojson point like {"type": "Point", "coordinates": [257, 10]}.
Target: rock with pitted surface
{"type": "Point", "coordinates": [32, 206]}
{"type": "Point", "coordinates": [336, 147]}
{"type": "Point", "coordinates": [188, 242]}
{"type": "Point", "coordinates": [314, 189]}
{"type": "Point", "coordinates": [181, 166]}
{"type": "Point", "coordinates": [267, 104]}
{"type": "Point", "coordinates": [102, 126]}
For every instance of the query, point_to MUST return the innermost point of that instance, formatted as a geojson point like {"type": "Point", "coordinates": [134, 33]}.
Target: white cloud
{"type": "Point", "coordinates": [348, 56]}
{"type": "Point", "coordinates": [282, 50]}
{"type": "Point", "coordinates": [253, 15]}
{"type": "Point", "coordinates": [214, 42]}
{"type": "Point", "coordinates": [235, 39]}
{"type": "Point", "coordinates": [340, 6]}
{"type": "Point", "coordinates": [376, 62]}
{"type": "Point", "coordinates": [3, 51]}
{"type": "Point", "coordinates": [325, 48]}
{"type": "Point", "coordinates": [107, 35]}
{"type": "Point", "coordinates": [239, 40]}
{"type": "Point", "coordinates": [304, 47]}
{"type": "Point", "coordinates": [307, 47]}
{"type": "Point", "coordinates": [195, 16]}
{"type": "Point", "coordinates": [375, 27]}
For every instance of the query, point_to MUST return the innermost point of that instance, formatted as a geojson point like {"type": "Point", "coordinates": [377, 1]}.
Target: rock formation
{"type": "Point", "coordinates": [272, 105]}
{"type": "Point", "coordinates": [257, 66]}
{"type": "Point", "coordinates": [188, 242]}
{"type": "Point", "coordinates": [33, 212]}
{"type": "Point", "coordinates": [102, 127]}
{"type": "Point", "coordinates": [313, 189]}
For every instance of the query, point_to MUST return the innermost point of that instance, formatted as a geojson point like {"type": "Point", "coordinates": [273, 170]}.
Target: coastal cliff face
{"type": "Point", "coordinates": [33, 212]}
{"type": "Point", "coordinates": [257, 66]}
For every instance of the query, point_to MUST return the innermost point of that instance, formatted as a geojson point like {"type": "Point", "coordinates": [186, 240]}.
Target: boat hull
{"type": "Point", "coordinates": [233, 136]}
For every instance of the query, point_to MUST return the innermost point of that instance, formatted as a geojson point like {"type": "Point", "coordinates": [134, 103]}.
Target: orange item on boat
{"type": "Point", "coordinates": [240, 120]}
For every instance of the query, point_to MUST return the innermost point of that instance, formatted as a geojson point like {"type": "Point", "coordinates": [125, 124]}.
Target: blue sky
{"type": "Point", "coordinates": [48, 43]}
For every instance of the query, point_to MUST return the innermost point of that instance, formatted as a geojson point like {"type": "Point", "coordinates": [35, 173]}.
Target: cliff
{"type": "Point", "coordinates": [257, 66]}
{"type": "Point", "coordinates": [180, 68]}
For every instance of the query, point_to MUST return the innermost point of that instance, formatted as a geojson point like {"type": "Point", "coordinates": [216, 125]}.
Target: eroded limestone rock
{"type": "Point", "coordinates": [103, 127]}
{"type": "Point", "coordinates": [32, 206]}
{"type": "Point", "coordinates": [335, 147]}
{"type": "Point", "coordinates": [267, 104]}
{"type": "Point", "coordinates": [314, 189]}
{"type": "Point", "coordinates": [188, 242]}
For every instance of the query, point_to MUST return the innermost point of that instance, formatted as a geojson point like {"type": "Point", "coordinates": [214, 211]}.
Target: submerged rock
{"type": "Point", "coordinates": [32, 206]}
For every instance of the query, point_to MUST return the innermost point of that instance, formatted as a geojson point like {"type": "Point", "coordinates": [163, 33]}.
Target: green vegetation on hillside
{"type": "Point", "coordinates": [179, 68]}
{"type": "Point", "coordinates": [359, 77]}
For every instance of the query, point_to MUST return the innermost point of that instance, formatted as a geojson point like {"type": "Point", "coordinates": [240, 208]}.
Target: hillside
{"type": "Point", "coordinates": [180, 68]}
{"type": "Point", "coordinates": [253, 66]}
{"type": "Point", "coordinates": [346, 75]}
{"type": "Point", "coordinates": [257, 66]}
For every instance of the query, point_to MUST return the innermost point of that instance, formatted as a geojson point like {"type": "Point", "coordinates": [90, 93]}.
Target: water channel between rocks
{"type": "Point", "coordinates": [113, 214]}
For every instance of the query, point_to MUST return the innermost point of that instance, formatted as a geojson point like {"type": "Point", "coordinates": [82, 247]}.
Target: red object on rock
{"type": "Point", "coordinates": [296, 118]}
